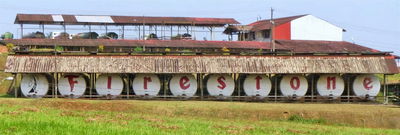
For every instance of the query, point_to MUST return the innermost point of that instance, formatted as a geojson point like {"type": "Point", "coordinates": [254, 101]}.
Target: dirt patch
{"type": "Point", "coordinates": [84, 106]}
{"type": "Point", "coordinates": [153, 120]}
{"type": "Point", "coordinates": [297, 131]}
{"type": "Point", "coordinates": [29, 109]}
{"type": "Point", "coordinates": [234, 129]}
{"type": "Point", "coordinates": [12, 129]}
{"type": "Point", "coordinates": [120, 119]}
{"type": "Point", "coordinates": [167, 127]}
{"type": "Point", "coordinates": [9, 103]}
{"type": "Point", "coordinates": [3, 49]}
{"type": "Point", "coordinates": [94, 119]}
{"type": "Point", "coordinates": [121, 116]}
{"type": "Point", "coordinates": [72, 114]}
{"type": "Point", "coordinates": [12, 113]}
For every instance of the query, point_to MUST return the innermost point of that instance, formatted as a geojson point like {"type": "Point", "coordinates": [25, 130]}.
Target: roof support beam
{"type": "Point", "coordinates": [22, 30]}
{"type": "Point", "coordinates": [123, 31]}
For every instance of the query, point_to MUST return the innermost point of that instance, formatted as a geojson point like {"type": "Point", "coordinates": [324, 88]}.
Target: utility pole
{"type": "Point", "coordinates": [272, 30]}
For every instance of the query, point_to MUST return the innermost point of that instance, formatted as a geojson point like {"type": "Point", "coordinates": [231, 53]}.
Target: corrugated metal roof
{"type": "Point", "coordinates": [266, 24]}
{"type": "Point", "coordinates": [120, 20]}
{"type": "Point", "coordinates": [299, 46]}
{"type": "Point", "coordinates": [312, 46]}
{"type": "Point", "coordinates": [200, 64]}
{"type": "Point", "coordinates": [147, 43]}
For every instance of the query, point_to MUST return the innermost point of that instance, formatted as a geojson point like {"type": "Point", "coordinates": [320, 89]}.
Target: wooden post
{"type": "Point", "coordinates": [312, 87]}
{"type": "Point", "coordinates": [163, 86]}
{"type": "Point", "coordinates": [239, 88]}
{"type": "Point", "coordinates": [198, 82]}
{"type": "Point", "coordinates": [90, 85]}
{"type": "Point", "coordinates": [56, 86]}
{"type": "Point", "coordinates": [12, 85]}
{"type": "Point", "coordinates": [94, 80]}
{"type": "Point", "coordinates": [55, 70]}
{"type": "Point", "coordinates": [348, 88]}
{"type": "Point", "coordinates": [201, 87]}
{"type": "Point", "coordinates": [235, 81]}
{"type": "Point", "coordinates": [276, 86]}
{"type": "Point", "coordinates": [384, 90]}
{"type": "Point", "coordinates": [127, 86]}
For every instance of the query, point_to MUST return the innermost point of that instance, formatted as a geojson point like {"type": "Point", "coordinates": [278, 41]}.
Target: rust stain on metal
{"type": "Point", "coordinates": [297, 46]}
{"type": "Point", "coordinates": [126, 20]}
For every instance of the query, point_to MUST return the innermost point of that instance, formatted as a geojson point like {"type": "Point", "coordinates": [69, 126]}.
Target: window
{"type": "Point", "coordinates": [253, 35]}
{"type": "Point", "coordinates": [266, 33]}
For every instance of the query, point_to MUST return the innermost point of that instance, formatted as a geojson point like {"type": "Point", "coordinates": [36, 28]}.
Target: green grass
{"type": "Point", "coordinates": [64, 116]}
{"type": "Point", "coordinates": [390, 78]}
{"type": "Point", "coordinates": [4, 84]}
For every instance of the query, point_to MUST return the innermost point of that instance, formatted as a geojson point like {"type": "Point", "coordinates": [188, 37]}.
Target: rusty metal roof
{"type": "Point", "coordinates": [200, 64]}
{"type": "Point", "coordinates": [297, 46]}
{"type": "Point", "coordinates": [147, 43]}
{"type": "Point", "coordinates": [266, 24]}
{"type": "Point", "coordinates": [313, 46]}
{"type": "Point", "coordinates": [119, 20]}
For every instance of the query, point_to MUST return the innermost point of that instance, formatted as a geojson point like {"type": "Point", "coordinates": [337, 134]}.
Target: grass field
{"type": "Point", "coordinates": [67, 116]}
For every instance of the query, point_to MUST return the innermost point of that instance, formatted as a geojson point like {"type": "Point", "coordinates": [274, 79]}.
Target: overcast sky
{"type": "Point", "coordinates": [372, 23]}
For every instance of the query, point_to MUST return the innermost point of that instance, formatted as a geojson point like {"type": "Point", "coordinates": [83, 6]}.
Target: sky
{"type": "Point", "coordinates": [371, 23]}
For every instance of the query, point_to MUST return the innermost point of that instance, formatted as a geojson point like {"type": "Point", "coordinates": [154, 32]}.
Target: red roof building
{"type": "Point", "coordinates": [302, 27]}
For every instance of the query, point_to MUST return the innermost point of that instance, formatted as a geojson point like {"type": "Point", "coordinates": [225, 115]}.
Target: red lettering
{"type": "Point", "coordinates": [71, 81]}
{"type": "Point", "coordinates": [145, 80]}
{"type": "Point", "coordinates": [109, 82]}
{"type": "Point", "coordinates": [184, 82]}
{"type": "Point", "coordinates": [330, 85]}
{"type": "Point", "coordinates": [297, 86]}
{"type": "Point", "coordinates": [258, 78]}
{"type": "Point", "coordinates": [221, 80]}
{"type": "Point", "coordinates": [367, 83]}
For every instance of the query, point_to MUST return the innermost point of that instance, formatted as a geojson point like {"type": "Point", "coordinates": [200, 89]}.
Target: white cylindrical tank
{"type": "Point", "coordinates": [109, 84]}
{"type": "Point", "coordinates": [294, 86]}
{"type": "Point", "coordinates": [34, 85]}
{"type": "Point", "coordinates": [183, 85]}
{"type": "Point", "coordinates": [220, 85]}
{"type": "Point", "coordinates": [146, 85]}
{"type": "Point", "coordinates": [72, 85]}
{"type": "Point", "coordinates": [257, 85]}
{"type": "Point", "coordinates": [366, 86]}
{"type": "Point", "coordinates": [330, 86]}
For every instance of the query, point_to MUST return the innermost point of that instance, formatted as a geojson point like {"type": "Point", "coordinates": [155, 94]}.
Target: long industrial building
{"type": "Point", "coordinates": [298, 58]}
